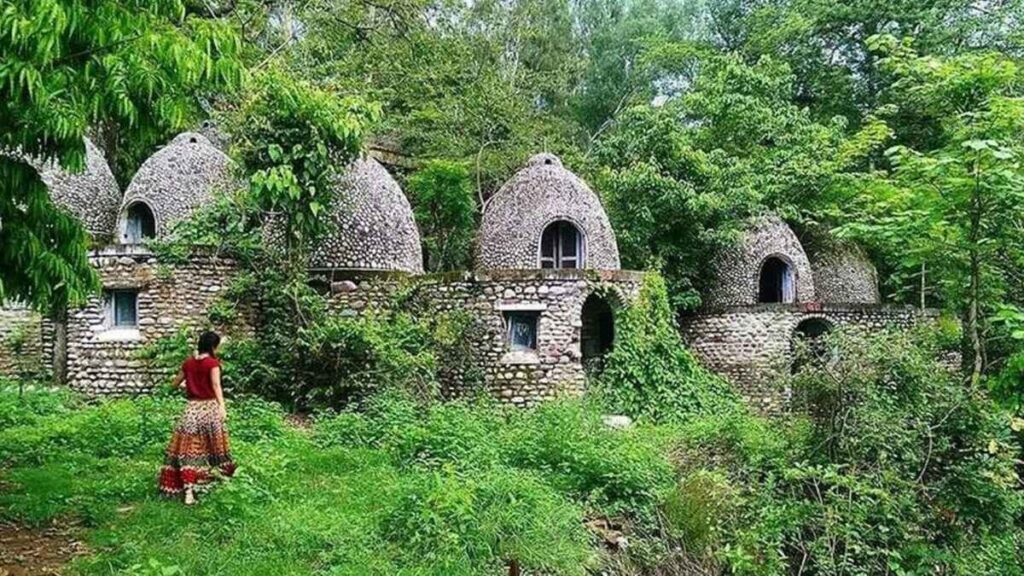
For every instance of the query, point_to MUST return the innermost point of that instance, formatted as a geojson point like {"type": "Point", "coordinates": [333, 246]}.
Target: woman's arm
{"type": "Point", "coordinates": [179, 380]}
{"type": "Point", "coordinates": [215, 381]}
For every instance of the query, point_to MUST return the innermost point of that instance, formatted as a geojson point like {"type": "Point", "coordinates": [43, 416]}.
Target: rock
{"type": "Point", "coordinates": [617, 421]}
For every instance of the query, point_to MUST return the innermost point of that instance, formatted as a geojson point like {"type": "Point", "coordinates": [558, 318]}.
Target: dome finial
{"type": "Point", "coordinates": [544, 159]}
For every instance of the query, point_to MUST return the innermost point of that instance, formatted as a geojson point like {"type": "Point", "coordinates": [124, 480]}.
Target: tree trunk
{"type": "Point", "coordinates": [973, 320]}
{"type": "Point", "coordinates": [924, 285]}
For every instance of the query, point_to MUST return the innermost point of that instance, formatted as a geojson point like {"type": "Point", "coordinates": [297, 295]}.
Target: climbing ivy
{"type": "Point", "coordinates": [649, 373]}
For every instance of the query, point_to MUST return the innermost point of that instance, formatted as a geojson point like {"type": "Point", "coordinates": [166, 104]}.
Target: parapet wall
{"type": "Point", "coordinates": [752, 345]}
{"type": "Point", "coordinates": [101, 358]}
{"type": "Point", "coordinates": [522, 378]}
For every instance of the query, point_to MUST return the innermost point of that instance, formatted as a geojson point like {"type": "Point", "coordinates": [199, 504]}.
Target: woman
{"type": "Point", "coordinates": [200, 441]}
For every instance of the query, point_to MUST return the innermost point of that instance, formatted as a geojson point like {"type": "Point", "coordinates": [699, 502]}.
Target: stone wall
{"type": "Point", "coordinates": [372, 224]}
{"type": "Point", "coordinates": [177, 180]}
{"type": "Point", "coordinates": [91, 195]}
{"type": "Point", "coordinates": [844, 275]}
{"type": "Point", "coordinates": [355, 291]}
{"type": "Point", "coordinates": [752, 345]}
{"type": "Point", "coordinates": [517, 377]}
{"type": "Point", "coordinates": [102, 359]}
{"type": "Point", "coordinates": [557, 296]}
{"type": "Point", "coordinates": [35, 335]}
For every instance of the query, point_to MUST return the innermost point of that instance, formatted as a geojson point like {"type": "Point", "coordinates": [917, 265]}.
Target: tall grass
{"type": "Point", "coordinates": [452, 489]}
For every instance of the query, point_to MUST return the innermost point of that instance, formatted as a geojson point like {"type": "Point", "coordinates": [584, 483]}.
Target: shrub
{"type": "Point", "coordinates": [450, 523]}
{"type": "Point", "coordinates": [345, 358]}
{"type": "Point", "coordinates": [893, 466]}
{"type": "Point", "coordinates": [699, 509]}
{"type": "Point", "coordinates": [649, 373]}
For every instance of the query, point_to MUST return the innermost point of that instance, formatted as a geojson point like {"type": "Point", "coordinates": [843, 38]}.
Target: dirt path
{"type": "Point", "coordinates": [37, 551]}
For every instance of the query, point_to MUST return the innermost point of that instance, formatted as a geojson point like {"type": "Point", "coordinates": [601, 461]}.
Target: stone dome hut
{"type": "Point", "coordinates": [546, 217]}
{"type": "Point", "coordinates": [372, 224]}
{"type": "Point", "coordinates": [172, 184]}
{"type": "Point", "coordinates": [91, 195]}
{"type": "Point", "coordinates": [770, 294]}
{"type": "Point", "coordinates": [769, 265]}
{"type": "Point", "coordinates": [843, 274]}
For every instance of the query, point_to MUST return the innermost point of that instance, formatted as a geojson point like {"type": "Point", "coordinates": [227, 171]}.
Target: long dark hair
{"type": "Point", "coordinates": [208, 342]}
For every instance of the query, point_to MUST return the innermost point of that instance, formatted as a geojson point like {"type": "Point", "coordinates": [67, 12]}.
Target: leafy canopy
{"type": "Point", "coordinates": [132, 69]}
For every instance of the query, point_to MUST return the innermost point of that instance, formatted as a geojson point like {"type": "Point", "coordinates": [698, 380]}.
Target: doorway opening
{"type": "Point", "coordinates": [775, 284]}
{"type": "Point", "coordinates": [597, 335]}
{"type": "Point", "coordinates": [810, 346]}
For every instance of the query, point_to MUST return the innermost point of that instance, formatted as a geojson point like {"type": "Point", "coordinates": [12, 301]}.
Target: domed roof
{"type": "Point", "coordinates": [92, 195]}
{"type": "Point", "coordinates": [737, 270]}
{"type": "Point", "coordinates": [843, 274]}
{"type": "Point", "coordinates": [373, 226]}
{"type": "Point", "coordinates": [177, 179]}
{"type": "Point", "coordinates": [539, 194]}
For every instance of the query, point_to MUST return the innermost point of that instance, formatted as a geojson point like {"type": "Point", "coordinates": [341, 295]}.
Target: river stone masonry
{"type": "Point", "coordinates": [26, 341]}
{"type": "Point", "coordinates": [752, 346]}
{"type": "Point", "coordinates": [523, 378]}
{"type": "Point", "coordinates": [737, 268]}
{"type": "Point", "coordinates": [372, 224]}
{"type": "Point", "coordinates": [843, 273]}
{"type": "Point", "coordinates": [91, 195]}
{"type": "Point", "coordinates": [541, 193]}
{"type": "Point", "coordinates": [102, 359]}
{"type": "Point", "coordinates": [177, 180]}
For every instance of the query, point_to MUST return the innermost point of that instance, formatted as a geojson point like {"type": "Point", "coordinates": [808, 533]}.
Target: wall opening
{"type": "Point", "coordinates": [561, 246]}
{"type": "Point", "coordinates": [597, 334]}
{"type": "Point", "coordinates": [122, 307]}
{"type": "Point", "coordinates": [775, 283]}
{"type": "Point", "coordinates": [140, 223]}
{"type": "Point", "coordinates": [810, 345]}
{"type": "Point", "coordinates": [521, 331]}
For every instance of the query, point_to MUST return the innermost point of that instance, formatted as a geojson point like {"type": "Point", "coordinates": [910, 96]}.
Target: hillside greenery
{"type": "Point", "coordinates": [894, 124]}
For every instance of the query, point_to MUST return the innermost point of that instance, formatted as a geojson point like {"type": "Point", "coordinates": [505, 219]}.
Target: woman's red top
{"type": "Point", "coordinates": [198, 383]}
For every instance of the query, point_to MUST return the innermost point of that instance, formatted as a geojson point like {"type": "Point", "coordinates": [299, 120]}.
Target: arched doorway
{"type": "Point", "coordinates": [775, 282]}
{"type": "Point", "coordinates": [140, 223]}
{"type": "Point", "coordinates": [810, 344]}
{"type": "Point", "coordinates": [597, 334]}
{"type": "Point", "coordinates": [561, 246]}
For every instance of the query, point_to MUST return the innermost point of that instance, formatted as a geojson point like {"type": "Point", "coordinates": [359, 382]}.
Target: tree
{"type": "Point", "coordinates": [825, 42]}
{"type": "Point", "coordinates": [680, 178]}
{"type": "Point", "coordinates": [954, 209]}
{"type": "Point", "coordinates": [443, 202]}
{"type": "Point", "coordinates": [132, 68]}
{"type": "Point", "coordinates": [293, 139]}
{"type": "Point", "coordinates": [486, 83]}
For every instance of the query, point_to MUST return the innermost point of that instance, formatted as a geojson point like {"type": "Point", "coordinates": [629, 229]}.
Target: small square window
{"type": "Point", "coordinates": [522, 330]}
{"type": "Point", "coordinates": [123, 308]}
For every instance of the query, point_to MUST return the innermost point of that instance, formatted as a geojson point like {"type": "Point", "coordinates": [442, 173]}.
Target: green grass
{"type": "Point", "coordinates": [460, 488]}
{"type": "Point", "coordinates": [454, 489]}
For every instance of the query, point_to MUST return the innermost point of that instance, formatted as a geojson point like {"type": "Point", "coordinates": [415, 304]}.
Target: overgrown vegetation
{"type": "Point", "coordinates": [894, 123]}
{"type": "Point", "coordinates": [893, 467]}
{"type": "Point", "coordinates": [649, 373]}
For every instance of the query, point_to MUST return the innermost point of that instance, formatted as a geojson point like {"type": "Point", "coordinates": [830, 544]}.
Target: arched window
{"type": "Point", "coordinates": [776, 284]}
{"type": "Point", "coordinates": [139, 224]}
{"type": "Point", "coordinates": [561, 246]}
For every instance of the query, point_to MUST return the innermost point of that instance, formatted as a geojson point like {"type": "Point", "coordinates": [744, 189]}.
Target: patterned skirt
{"type": "Point", "coordinates": [198, 447]}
